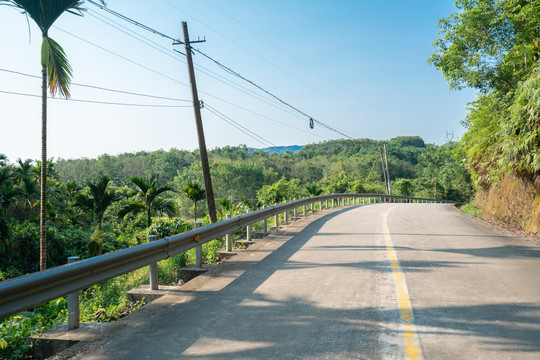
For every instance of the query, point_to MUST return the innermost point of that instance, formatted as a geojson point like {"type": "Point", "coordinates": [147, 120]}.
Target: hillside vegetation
{"type": "Point", "coordinates": [100, 205]}
{"type": "Point", "coordinates": [494, 46]}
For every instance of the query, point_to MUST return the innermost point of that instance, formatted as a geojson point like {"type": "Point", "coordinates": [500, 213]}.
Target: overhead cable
{"type": "Point", "coordinates": [136, 23]}
{"type": "Point", "coordinates": [95, 102]}
{"type": "Point", "coordinates": [102, 88]}
{"type": "Point", "coordinates": [232, 72]}
{"type": "Point", "coordinates": [122, 57]}
{"type": "Point", "coordinates": [130, 20]}
{"type": "Point", "coordinates": [238, 126]}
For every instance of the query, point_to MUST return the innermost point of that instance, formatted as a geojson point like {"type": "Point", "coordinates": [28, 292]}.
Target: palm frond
{"type": "Point", "coordinates": [84, 202]}
{"type": "Point", "coordinates": [59, 71]}
{"type": "Point", "coordinates": [134, 207]}
{"type": "Point", "coordinates": [141, 184]}
{"type": "Point", "coordinates": [156, 191]}
{"type": "Point", "coordinates": [165, 206]}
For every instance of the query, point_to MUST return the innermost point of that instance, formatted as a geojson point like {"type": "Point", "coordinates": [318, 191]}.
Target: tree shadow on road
{"type": "Point", "coordinates": [239, 322]}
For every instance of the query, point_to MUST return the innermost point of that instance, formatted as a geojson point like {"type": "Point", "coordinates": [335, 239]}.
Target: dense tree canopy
{"type": "Point", "coordinates": [489, 44]}
{"type": "Point", "coordinates": [494, 46]}
{"type": "Point", "coordinates": [84, 204]}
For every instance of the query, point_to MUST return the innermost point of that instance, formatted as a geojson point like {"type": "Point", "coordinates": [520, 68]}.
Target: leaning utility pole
{"type": "Point", "coordinates": [198, 122]}
{"type": "Point", "coordinates": [387, 171]}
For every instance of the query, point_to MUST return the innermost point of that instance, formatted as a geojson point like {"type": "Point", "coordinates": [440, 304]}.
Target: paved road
{"type": "Point", "coordinates": [382, 281]}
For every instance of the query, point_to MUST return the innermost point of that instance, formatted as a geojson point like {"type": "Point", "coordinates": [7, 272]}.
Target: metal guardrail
{"type": "Point", "coordinates": [31, 290]}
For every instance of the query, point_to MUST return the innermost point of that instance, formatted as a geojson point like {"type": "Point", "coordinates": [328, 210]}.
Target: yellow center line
{"type": "Point", "coordinates": [410, 337]}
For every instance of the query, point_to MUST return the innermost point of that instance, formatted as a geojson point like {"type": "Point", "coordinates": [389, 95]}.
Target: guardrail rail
{"type": "Point", "coordinates": [34, 289]}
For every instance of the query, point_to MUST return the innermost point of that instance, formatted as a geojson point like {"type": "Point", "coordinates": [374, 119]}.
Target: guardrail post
{"type": "Point", "coordinates": [327, 204]}
{"type": "Point", "coordinates": [332, 202]}
{"type": "Point", "coordinates": [73, 303]}
{"type": "Point", "coordinates": [320, 205]}
{"type": "Point", "coordinates": [295, 213]}
{"type": "Point", "coordinates": [198, 250]}
{"type": "Point", "coordinates": [248, 229]}
{"type": "Point", "coordinates": [304, 210]}
{"type": "Point", "coordinates": [276, 219]}
{"type": "Point", "coordinates": [285, 220]}
{"type": "Point", "coordinates": [154, 284]}
{"type": "Point", "coordinates": [228, 237]}
{"type": "Point", "coordinates": [265, 223]}
{"type": "Point", "coordinates": [312, 209]}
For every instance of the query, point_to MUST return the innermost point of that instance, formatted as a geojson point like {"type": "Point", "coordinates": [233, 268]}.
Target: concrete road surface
{"type": "Point", "coordinates": [380, 281]}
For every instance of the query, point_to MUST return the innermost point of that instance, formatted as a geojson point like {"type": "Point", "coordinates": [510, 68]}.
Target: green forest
{"type": "Point", "coordinates": [494, 47]}
{"type": "Point", "coordinates": [101, 205]}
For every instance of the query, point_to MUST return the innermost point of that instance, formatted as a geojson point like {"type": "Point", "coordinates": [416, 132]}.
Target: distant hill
{"type": "Point", "coordinates": [282, 149]}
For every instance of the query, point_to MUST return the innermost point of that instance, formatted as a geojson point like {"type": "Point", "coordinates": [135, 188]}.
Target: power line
{"type": "Point", "coordinates": [95, 102]}
{"type": "Point", "coordinates": [203, 70]}
{"type": "Point", "coordinates": [267, 40]}
{"type": "Point", "coordinates": [267, 117]}
{"type": "Point", "coordinates": [125, 18]}
{"type": "Point", "coordinates": [165, 51]}
{"type": "Point", "coordinates": [246, 49]}
{"type": "Point", "coordinates": [348, 91]}
{"type": "Point", "coordinates": [135, 35]}
{"type": "Point", "coordinates": [232, 72]}
{"type": "Point", "coordinates": [130, 20]}
{"type": "Point", "coordinates": [240, 88]}
{"type": "Point", "coordinates": [238, 126]}
{"type": "Point", "coordinates": [101, 88]}
{"type": "Point", "coordinates": [122, 57]}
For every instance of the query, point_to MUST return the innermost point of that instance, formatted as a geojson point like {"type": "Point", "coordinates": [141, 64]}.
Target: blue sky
{"type": "Point", "coordinates": [358, 66]}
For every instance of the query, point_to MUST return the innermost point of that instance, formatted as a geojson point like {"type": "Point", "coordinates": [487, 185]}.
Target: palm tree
{"type": "Point", "coordinates": [225, 204]}
{"type": "Point", "coordinates": [148, 199]}
{"type": "Point", "coordinates": [8, 194]}
{"type": "Point", "coordinates": [97, 200]}
{"type": "Point", "coordinates": [24, 168]}
{"type": "Point", "coordinates": [314, 190]}
{"type": "Point", "coordinates": [194, 192]}
{"type": "Point", "coordinates": [55, 74]}
{"type": "Point", "coordinates": [27, 183]}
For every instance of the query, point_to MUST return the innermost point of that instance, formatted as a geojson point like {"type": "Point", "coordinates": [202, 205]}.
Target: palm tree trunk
{"type": "Point", "coordinates": [43, 205]}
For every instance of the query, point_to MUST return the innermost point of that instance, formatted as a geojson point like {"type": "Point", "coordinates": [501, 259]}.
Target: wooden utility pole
{"type": "Point", "coordinates": [384, 171]}
{"type": "Point", "coordinates": [200, 132]}
{"type": "Point", "coordinates": [387, 171]}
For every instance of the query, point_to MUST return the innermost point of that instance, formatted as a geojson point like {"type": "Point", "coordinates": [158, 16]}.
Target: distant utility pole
{"type": "Point", "coordinates": [198, 121]}
{"type": "Point", "coordinates": [387, 171]}
{"type": "Point", "coordinates": [449, 136]}
{"type": "Point", "coordinates": [384, 171]}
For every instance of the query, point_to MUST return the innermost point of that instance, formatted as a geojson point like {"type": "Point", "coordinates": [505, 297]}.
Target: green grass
{"type": "Point", "coordinates": [470, 209]}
